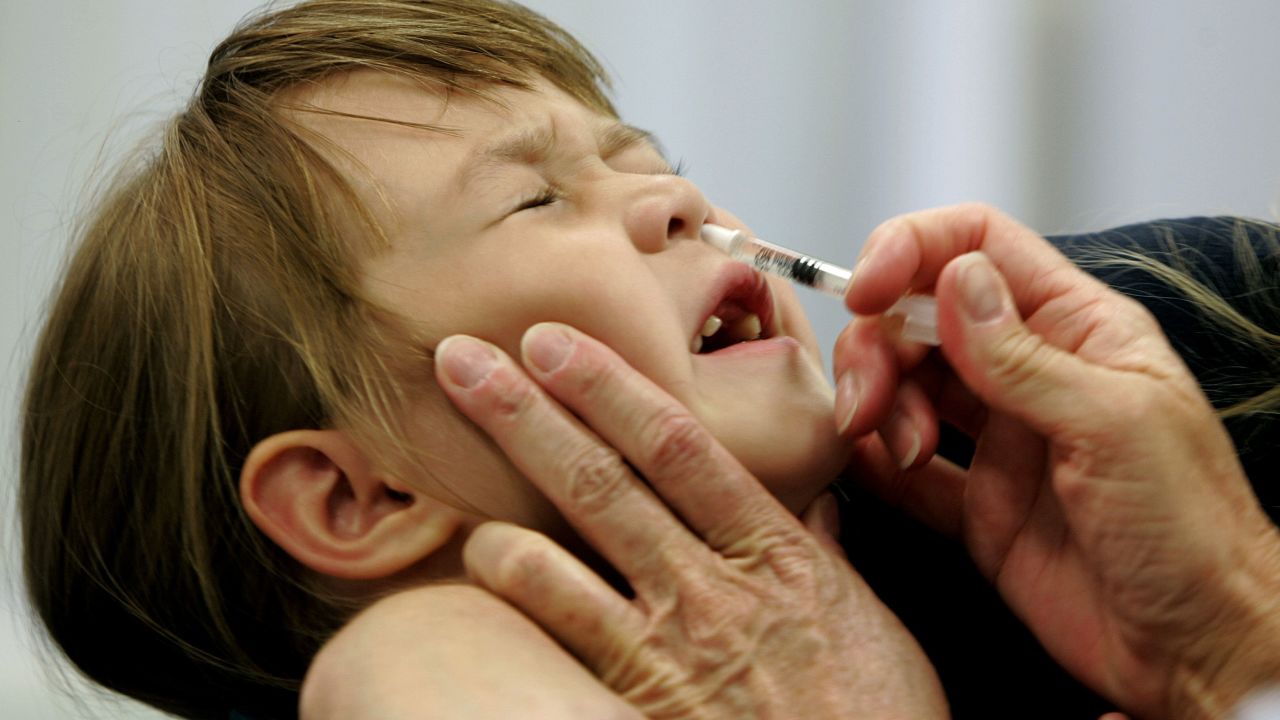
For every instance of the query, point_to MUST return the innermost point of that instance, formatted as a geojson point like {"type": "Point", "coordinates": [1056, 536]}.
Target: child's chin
{"type": "Point", "coordinates": [798, 474]}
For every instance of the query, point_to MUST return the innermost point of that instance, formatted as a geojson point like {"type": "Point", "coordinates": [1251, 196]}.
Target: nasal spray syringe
{"type": "Point", "coordinates": [919, 313]}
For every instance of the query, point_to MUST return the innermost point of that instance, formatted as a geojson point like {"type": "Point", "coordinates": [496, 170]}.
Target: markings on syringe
{"type": "Point", "coordinates": [801, 269]}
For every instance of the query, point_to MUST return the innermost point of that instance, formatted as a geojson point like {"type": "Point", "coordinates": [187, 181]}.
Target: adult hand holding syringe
{"type": "Point", "coordinates": [1104, 499]}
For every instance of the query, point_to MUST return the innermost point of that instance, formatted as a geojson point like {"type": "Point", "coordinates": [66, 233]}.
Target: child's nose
{"type": "Point", "coordinates": [664, 209]}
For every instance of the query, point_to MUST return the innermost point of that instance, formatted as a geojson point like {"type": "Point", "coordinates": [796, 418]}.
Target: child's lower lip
{"type": "Point", "coordinates": [769, 346]}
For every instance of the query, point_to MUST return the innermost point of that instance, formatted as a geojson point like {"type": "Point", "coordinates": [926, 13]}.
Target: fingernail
{"type": "Point", "coordinates": [846, 400]}
{"type": "Point", "coordinates": [980, 291]}
{"type": "Point", "coordinates": [902, 439]}
{"type": "Point", "coordinates": [547, 346]}
{"type": "Point", "coordinates": [465, 360]}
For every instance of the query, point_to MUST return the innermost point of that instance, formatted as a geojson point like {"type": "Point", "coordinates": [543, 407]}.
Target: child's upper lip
{"type": "Point", "coordinates": [739, 285]}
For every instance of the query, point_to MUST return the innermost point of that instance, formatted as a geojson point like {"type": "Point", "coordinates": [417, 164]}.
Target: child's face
{"type": "Point", "coordinates": [545, 210]}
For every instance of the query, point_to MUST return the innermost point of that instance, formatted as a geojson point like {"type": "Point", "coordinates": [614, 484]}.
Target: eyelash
{"type": "Point", "coordinates": [550, 195]}
{"type": "Point", "coordinates": [547, 196]}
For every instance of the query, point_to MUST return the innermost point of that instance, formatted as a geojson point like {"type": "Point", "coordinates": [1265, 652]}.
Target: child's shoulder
{"type": "Point", "coordinates": [450, 651]}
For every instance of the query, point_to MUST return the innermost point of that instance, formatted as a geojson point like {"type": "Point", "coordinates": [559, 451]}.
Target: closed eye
{"type": "Point", "coordinates": [547, 196]}
{"type": "Point", "coordinates": [550, 195]}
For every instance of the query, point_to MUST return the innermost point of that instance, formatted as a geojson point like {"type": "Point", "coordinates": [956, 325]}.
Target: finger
{"type": "Point", "coordinates": [554, 588]}
{"type": "Point", "coordinates": [679, 458]}
{"type": "Point", "coordinates": [1005, 480]}
{"type": "Point", "coordinates": [867, 361]}
{"type": "Point", "coordinates": [909, 252]}
{"type": "Point", "coordinates": [911, 432]}
{"type": "Point", "coordinates": [583, 477]}
{"type": "Point", "coordinates": [885, 270]}
{"type": "Point", "coordinates": [866, 370]}
{"type": "Point", "coordinates": [932, 493]}
{"type": "Point", "coordinates": [949, 398]}
{"type": "Point", "coordinates": [822, 518]}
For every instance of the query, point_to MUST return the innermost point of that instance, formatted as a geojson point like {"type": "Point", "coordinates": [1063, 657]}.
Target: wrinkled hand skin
{"type": "Point", "coordinates": [760, 634]}
{"type": "Point", "coordinates": [776, 625]}
{"type": "Point", "coordinates": [739, 610]}
{"type": "Point", "coordinates": [1105, 500]}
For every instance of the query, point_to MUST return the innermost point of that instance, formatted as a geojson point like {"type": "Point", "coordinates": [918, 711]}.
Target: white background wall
{"type": "Point", "coordinates": [813, 120]}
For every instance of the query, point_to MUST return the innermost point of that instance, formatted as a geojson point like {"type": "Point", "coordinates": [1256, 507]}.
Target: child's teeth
{"type": "Point", "coordinates": [743, 329]}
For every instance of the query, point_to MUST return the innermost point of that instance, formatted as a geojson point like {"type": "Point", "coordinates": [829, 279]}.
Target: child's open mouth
{"type": "Point", "coordinates": [742, 313]}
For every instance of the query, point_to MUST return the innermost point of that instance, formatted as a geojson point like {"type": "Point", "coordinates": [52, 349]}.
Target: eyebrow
{"type": "Point", "coordinates": [536, 143]}
{"type": "Point", "coordinates": [619, 136]}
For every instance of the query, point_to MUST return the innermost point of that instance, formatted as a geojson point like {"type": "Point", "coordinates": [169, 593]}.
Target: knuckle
{"type": "Point", "coordinates": [595, 477]}
{"type": "Point", "coordinates": [797, 566]}
{"type": "Point", "coordinates": [677, 443]}
{"type": "Point", "coordinates": [704, 625]}
{"type": "Point", "coordinates": [976, 218]}
{"type": "Point", "coordinates": [788, 555]}
{"type": "Point", "coordinates": [512, 396]}
{"type": "Point", "coordinates": [590, 376]}
{"type": "Point", "coordinates": [977, 210]}
{"type": "Point", "coordinates": [1018, 358]}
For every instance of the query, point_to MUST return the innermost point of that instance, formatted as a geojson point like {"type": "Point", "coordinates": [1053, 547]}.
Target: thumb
{"type": "Point", "coordinates": [999, 358]}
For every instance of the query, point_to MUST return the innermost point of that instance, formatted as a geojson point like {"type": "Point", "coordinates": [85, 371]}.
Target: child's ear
{"type": "Point", "coordinates": [317, 495]}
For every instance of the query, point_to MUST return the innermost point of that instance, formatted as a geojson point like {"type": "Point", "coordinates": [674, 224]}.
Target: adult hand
{"type": "Point", "coordinates": [1105, 500]}
{"type": "Point", "coordinates": [738, 610]}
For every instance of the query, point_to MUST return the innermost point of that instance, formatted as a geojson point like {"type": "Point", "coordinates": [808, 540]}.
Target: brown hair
{"type": "Point", "coordinates": [1233, 287]}
{"type": "Point", "coordinates": [1219, 280]}
{"type": "Point", "coordinates": [211, 303]}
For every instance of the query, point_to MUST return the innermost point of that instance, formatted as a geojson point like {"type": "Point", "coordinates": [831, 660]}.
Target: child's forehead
{"type": "Point", "coordinates": [429, 104]}
{"type": "Point", "coordinates": [381, 119]}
